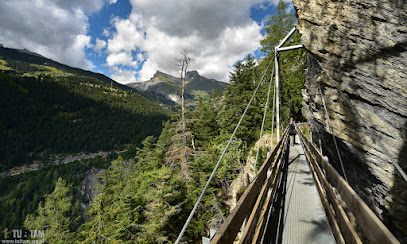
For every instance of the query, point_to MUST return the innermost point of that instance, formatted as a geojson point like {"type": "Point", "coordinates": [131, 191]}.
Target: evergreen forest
{"type": "Point", "coordinates": [45, 115]}
{"type": "Point", "coordinates": [145, 194]}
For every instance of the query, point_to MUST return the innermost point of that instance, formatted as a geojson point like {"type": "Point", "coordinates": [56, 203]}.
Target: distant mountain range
{"type": "Point", "coordinates": [162, 88]}
{"type": "Point", "coordinates": [38, 64]}
{"type": "Point", "coordinates": [170, 86]}
{"type": "Point", "coordinates": [26, 56]}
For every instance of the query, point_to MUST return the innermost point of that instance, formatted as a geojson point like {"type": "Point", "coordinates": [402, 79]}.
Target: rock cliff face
{"type": "Point", "coordinates": [362, 44]}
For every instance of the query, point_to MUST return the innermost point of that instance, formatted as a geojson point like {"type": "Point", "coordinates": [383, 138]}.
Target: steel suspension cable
{"type": "Point", "coordinates": [262, 124]}
{"type": "Point", "coordinates": [372, 134]}
{"type": "Point", "coordinates": [220, 159]}
{"type": "Point", "coordinates": [332, 131]}
{"type": "Point", "coordinates": [272, 120]}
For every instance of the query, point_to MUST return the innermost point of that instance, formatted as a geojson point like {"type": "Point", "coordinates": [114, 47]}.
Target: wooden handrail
{"type": "Point", "coordinates": [339, 221]}
{"type": "Point", "coordinates": [231, 226]}
{"type": "Point", "coordinates": [249, 230]}
{"type": "Point", "coordinates": [373, 229]}
{"type": "Point", "coordinates": [254, 202]}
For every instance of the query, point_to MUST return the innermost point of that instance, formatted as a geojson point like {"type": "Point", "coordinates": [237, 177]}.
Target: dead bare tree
{"type": "Point", "coordinates": [181, 151]}
{"type": "Point", "coordinates": [183, 63]}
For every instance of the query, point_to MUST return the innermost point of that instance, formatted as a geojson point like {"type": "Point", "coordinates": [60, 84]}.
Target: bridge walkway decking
{"type": "Point", "coordinates": [301, 217]}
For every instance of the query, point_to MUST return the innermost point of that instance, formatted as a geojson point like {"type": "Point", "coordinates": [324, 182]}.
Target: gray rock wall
{"type": "Point", "coordinates": [363, 46]}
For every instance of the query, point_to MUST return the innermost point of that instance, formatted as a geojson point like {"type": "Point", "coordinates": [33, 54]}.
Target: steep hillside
{"type": "Point", "coordinates": [52, 114]}
{"type": "Point", "coordinates": [169, 86]}
{"type": "Point", "coordinates": [37, 63]}
{"type": "Point", "coordinates": [32, 64]}
{"type": "Point", "coordinates": [48, 111]}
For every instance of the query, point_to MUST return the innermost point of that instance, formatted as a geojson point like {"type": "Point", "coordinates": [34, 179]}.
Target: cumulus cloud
{"type": "Point", "coordinates": [215, 33]}
{"type": "Point", "coordinates": [81, 42]}
{"type": "Point", "coordinates": [123, 75]}
{"type": "Point", "coordinates": [100, 44]}
{"type": "Point", "coordinates": [87, 5]}
{"type": "Point", "coordinates": [122, 58]}
{"type": "Point", "coordinates": [53, 28]}
{"type": "Point", "coordinates": [106, 32]}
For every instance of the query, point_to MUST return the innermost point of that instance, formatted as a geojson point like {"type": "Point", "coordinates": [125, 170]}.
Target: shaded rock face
{"type": "Point", "coordinates": [362, 44]}
{"type": "Point", "coordinates": [89, 187]}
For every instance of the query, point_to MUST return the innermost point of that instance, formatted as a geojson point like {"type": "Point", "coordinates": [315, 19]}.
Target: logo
{"type": "Point", "coordinates": [20, 236]}
{"type": "Point", "coordinates": [6, 232]}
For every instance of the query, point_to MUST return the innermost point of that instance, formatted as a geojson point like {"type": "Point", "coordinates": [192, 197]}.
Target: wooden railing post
{"type": "Point", "coordinates": [230, 228]}
{"type": "Point", "coordinates": [372, 228]}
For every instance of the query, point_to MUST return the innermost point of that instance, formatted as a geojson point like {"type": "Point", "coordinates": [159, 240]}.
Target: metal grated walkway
{"type": "Point", "coordinates": [304, 217]}
{"type": "Point", "coordinates": [300, 217]}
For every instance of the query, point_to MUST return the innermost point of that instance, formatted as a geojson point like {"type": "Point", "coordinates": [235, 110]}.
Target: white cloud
{"type": "Point", "coordinates": [124, 76]}
{"type": "Point", "coordinates": [100, 44]}
{"type": "Point", "coordinates": [56, 29]}
{"type": "Point", "coordinates": [80, 44]}
{"type": "Point", "coordinates": [106, 32]}
{"type": "Point", "coordinates": [87, 5]}
{"type": "Point", "coordinates": [112, 1]}
{"type": "Point", "coordinates": [122, 58]}
{"type": "Point", "coordinates": [215, 33]}
{"type": "Point", "coordinates": [129, 34]}
{"type": "Point", "coordinates": [82, 41]}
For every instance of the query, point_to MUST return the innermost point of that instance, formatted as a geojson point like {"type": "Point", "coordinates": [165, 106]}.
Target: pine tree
{"type": "Point", "coordinates": [183, 68]}
{"type": "Point", "coordinates": [146, 157]}
{"type": "Point", "coordinates": [53, 215]}
{"type": "Point", "coordinates": [159, 208]}
{"type": "Point", "coordinates": [276, 27]}
{"type": "Point", "coordinates": [292, 63]}
{"type": "Point", "coordinates": [104, 210]}
{"type": "Point", "coordinates": [236, 98]}
{"type": "Point", "coordinates": [207, 127]}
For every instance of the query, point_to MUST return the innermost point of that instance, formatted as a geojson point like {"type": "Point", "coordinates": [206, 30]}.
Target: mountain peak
{"type": "Point", "coordinates": [193, 73]}
{"type": "Point", "coordinates": [169, 86]}
{"type": "Point", "coordinates": [159, 73]}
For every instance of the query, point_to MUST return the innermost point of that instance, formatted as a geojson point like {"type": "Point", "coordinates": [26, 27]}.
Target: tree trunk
{"type": "Point", "coordinates": [183, 64]}
{"type": "Point", "coordinates": [184, 137]}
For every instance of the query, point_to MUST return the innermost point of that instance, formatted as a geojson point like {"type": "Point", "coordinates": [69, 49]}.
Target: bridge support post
{"type": "Point", "coordinates": [277, 49]}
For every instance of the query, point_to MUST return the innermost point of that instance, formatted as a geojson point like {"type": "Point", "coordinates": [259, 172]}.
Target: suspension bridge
{"type": "Point", "coordinates": [297, 196]}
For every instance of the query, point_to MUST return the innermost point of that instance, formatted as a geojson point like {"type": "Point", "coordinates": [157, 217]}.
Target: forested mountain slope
{"type": "Point", "coordinates": [146, 197]}
{"type": "Point", "coordinates": [50, 110]}
{"type": "Point", "coordinates": [46, 110]}
{"type": "Point", "coordinates": [26, 62]}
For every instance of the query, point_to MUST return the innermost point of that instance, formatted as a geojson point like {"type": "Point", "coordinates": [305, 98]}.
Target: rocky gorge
{"type": "Point", "coordinates": [362, 45]}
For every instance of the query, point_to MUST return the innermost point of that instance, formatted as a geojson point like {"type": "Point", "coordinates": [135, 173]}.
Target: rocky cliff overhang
{"type": "Point", "coordinates": [363, 46]}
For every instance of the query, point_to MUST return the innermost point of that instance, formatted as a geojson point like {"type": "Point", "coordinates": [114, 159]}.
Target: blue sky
{"type": "Point", "coordinates": [129, 40]}
{"type": "Point", "coordinates": [101, 21]}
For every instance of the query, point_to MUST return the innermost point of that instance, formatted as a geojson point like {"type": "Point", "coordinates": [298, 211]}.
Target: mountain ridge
{"type": "Point", "coordinates": [170, 87]}
{"type": "Point", "coordinates": [27, 56]}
